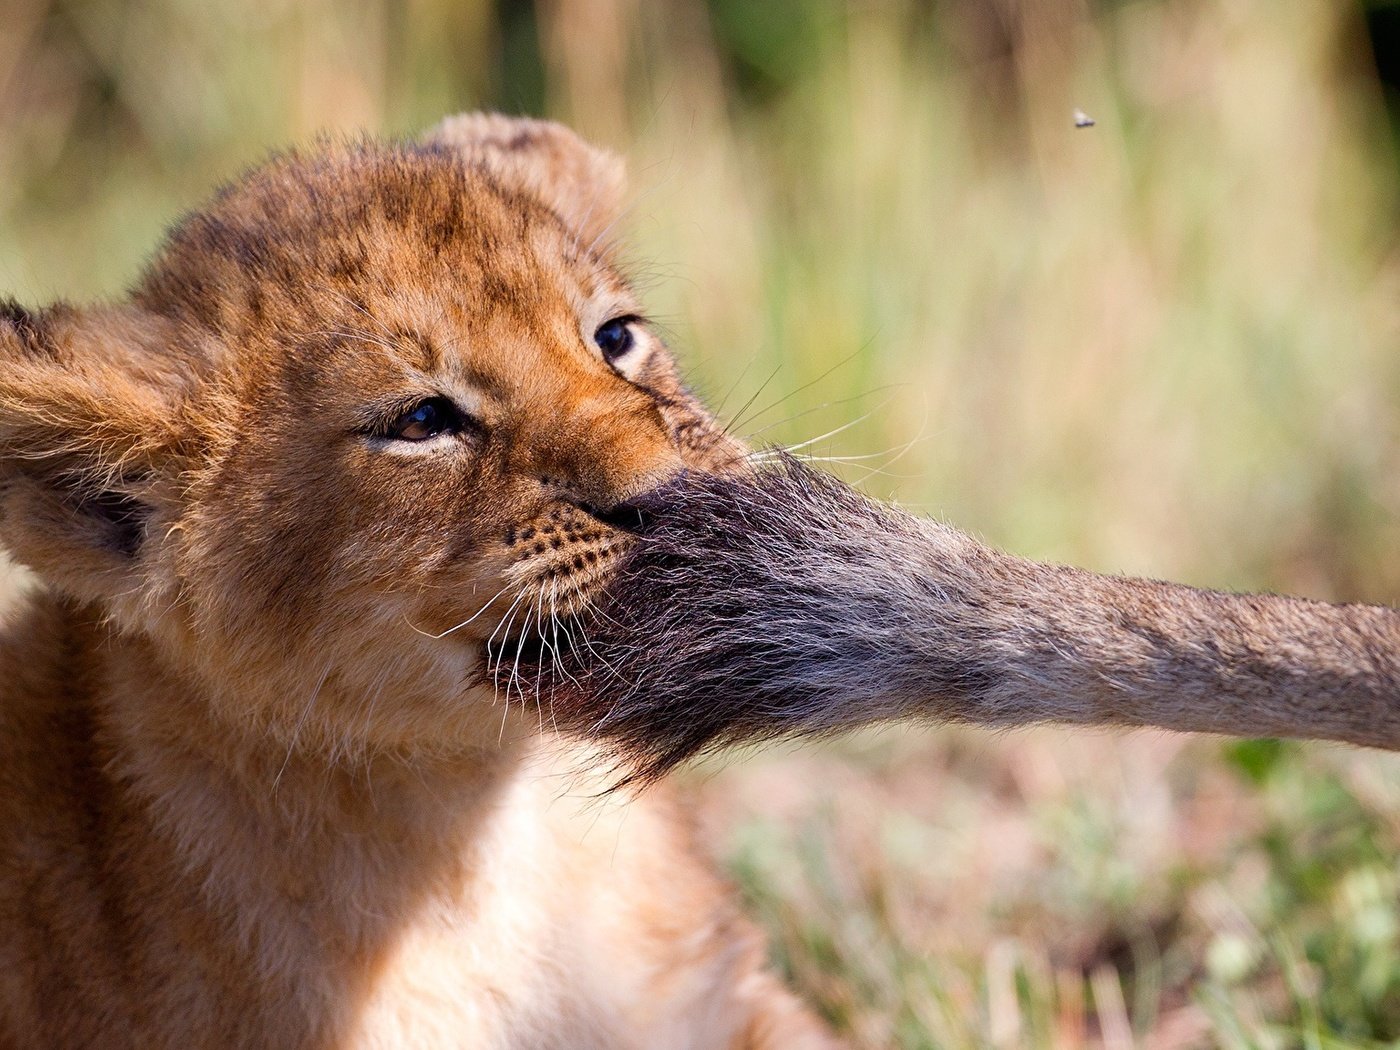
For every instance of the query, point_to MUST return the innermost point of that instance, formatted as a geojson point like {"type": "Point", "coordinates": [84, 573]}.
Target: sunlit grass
{"type": "Point", "coordinates": [1165, 344]}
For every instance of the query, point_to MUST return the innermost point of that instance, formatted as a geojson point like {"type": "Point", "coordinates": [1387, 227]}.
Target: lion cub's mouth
{"type": "Point", "coordinates": [512, 659]}
{"type": "Point", "coordinates": [555, 589]}
{"type": "Point", "coordinates": [528, 649]}
{"type": "Point", "coordinates": [560, 565]}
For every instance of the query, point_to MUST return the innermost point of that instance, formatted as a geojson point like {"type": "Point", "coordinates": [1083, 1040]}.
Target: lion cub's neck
{"type": "Point", "coordinates": [283, 873]}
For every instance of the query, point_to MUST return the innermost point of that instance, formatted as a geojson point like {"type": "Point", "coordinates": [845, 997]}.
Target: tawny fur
{"type": "Point", "coordinates": [781, 603]}
{"type": "Point", "coordinates": [259, 790]}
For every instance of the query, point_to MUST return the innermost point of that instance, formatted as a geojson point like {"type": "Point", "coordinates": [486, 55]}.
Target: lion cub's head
{"type": "Point", "coordinates": [372, 406]}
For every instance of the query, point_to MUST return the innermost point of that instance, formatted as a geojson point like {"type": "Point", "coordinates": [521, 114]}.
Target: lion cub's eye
{"type": "Point", "coordinates": [427, 419]}
{"type": "Point", "coordinates": [615, 338]}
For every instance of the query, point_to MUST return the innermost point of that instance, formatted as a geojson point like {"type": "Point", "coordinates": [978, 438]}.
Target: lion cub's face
{"type": "Point", "coordinates": [373, 409]}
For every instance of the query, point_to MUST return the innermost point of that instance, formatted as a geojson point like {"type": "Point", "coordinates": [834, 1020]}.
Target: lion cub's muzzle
{"type": "Point", "coordinates": [563, 554]}
{"type": "Point", "coordinates": [562, 566]}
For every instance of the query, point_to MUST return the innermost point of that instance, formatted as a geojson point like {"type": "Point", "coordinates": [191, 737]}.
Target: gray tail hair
{"type": "Point", "coordinates": [783, 603]}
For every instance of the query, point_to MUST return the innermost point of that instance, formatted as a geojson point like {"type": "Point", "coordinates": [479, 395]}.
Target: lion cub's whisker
{"type": "Point", "coordinates": [468, 621]}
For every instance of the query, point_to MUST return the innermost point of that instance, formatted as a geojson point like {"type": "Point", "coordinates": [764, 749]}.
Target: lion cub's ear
{"type": "Point", "coordinates": [90, 445]}
{"type": "Point", "coordinates": [581, 183]}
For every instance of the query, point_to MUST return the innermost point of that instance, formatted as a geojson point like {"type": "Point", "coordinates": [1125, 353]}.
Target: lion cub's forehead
{"type": "Point", "coordinates": [373, 241]}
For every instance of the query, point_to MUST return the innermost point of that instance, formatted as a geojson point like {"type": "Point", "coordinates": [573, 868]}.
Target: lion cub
{"type": "Point", "coordinates": [372, 408]}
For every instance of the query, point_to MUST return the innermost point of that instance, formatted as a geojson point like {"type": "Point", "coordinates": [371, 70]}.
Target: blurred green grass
{"type": "Point", "coordinates": [1166, 344]}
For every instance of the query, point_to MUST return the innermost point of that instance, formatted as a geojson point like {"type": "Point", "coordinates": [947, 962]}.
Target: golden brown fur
{"type": "Point", "coordinates": [258, 789]}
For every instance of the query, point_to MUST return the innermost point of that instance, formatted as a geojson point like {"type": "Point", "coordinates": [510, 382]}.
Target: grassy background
{"type": "Point", "coordinates": [1166, 344]}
